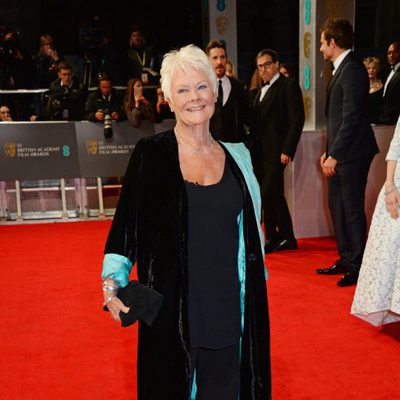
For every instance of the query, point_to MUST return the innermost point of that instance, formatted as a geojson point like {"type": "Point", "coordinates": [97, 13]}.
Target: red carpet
{"type": "Point", "coordinates": [57, 343]}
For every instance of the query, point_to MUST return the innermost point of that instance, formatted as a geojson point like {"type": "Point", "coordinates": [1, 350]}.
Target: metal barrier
{"type": "Point", "coordinates": [64, 170]}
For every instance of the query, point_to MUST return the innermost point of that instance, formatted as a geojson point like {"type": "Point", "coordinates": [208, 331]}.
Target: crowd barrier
{"type": "Point", "coordinates": [52, 169]}
{"type": "Point", "coordinates": [66, 170]}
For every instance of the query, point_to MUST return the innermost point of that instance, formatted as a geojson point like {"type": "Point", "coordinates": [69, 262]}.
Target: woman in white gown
{"type": "Point", "coordinates": [377, 297]}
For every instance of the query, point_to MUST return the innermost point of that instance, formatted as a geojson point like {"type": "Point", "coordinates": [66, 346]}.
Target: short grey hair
{"type": "Point", "coordinates": [186, 57]}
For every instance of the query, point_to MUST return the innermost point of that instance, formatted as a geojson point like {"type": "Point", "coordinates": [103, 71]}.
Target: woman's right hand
{"type": "Point", "coordinates": [115, 305]}
{"type": "Point", "coordinates": [392, 201]}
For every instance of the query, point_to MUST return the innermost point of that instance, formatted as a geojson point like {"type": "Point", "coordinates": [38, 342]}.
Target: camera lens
{"type": "Point", "coordinates": [108, 132]}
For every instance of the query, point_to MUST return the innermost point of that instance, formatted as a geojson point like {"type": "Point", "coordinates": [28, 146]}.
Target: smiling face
{"type": "Point", "coordinates": [192, 97]}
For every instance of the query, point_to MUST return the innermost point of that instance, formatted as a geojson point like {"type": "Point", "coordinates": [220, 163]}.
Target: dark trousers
{"type": "Point", "coordinates": [277, 220]}
{"type": "Point", "coordinates": [217, 372]}
{"type": "Point", "coordinates": [346, 197]}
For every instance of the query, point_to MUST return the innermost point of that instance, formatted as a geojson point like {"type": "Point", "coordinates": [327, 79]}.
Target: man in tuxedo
{"type": "Point", "coordinates": [227, 123]}
{"type": "Point", "coordinates": [350, 148]}
{"type": "Point", "coordinates": [276, 118]}
{"type": "Point", "coordinates": [391, 90]}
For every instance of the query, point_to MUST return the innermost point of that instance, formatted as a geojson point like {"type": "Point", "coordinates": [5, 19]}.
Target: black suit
{"type": "Point", "coordinates": [276, 122]}
{"type": "Point", "coordinates": [391, 100]}
{"type": "Point", "coordinates": [351, 141]}
{"type": "Point", "coordinates": [227, 123]}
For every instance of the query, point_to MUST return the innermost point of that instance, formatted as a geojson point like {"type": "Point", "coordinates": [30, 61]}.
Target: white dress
{"type": "Point", "coordinates": [377, 297]}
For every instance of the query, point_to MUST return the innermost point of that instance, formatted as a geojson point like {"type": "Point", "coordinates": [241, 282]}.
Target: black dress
{"type": "Point", "coordinates": [214, 304]}
{"type": "Point", "coordinates": [374, 104]}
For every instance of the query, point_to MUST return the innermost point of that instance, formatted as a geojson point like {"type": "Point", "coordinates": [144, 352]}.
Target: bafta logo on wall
{"type": "Point", "coordinates": [10, 149]}
{"type": "Point", "coordinates": [91, 147]}
{"type": "Point", "coordinates": [222, 24]}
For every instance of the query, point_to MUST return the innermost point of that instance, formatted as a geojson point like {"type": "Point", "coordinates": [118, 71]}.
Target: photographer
{"type": "Point", "coordinates": [66, 97]}
{"type": "Point", "coordinates": [105, 100]}
{"type": "Point", "coordinates": [15, 71]}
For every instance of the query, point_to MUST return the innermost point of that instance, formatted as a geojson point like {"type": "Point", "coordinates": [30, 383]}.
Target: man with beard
{"type": "Point", "coordinates": [350, 148]}
{"type": "Point", "coordinates": [227, 123]}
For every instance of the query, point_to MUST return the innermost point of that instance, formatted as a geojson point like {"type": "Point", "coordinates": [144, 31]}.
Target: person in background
{"type": "Point", "coordinates": [377, 297]}
{"type": "Point", "coordinates": [350, 148]}
{"type": "Point", "coordinates": [228, 121]}
{"type": "Point", "coordinates": [162, 107]}
{"type": "Point", "coordinates": [136, 107]}
{"type": "Point", "coordinates": [255, 82]}
{"type": "Point", "coordinates": [391, 88]}
{"type": "Point", "coordinates": [46, 62]}
{"type": "Point", "coordinates": [276, 123]}
{"type": "Point", "coordinates": [375, 97]}
{"type": "Point", "coordinates": [286, 70]}
{"type": "Point", "coordinates": [66, 98]}
{"type": "Point", "coordinates": [141, 61]}
{"type": "Point", "coordinates": [5, 113]}
{"type": "Point", "coordinates": [189, 217]}
{"type": "Point", "coordinates": [105, 100]}
{"type": "Point", "coordinates": [230, 69]}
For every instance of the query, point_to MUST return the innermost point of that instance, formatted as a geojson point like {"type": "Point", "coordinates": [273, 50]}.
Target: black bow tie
{"type": "Point", "coordinates": [265, 83]}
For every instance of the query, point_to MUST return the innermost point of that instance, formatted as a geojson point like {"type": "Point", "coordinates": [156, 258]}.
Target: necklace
{"type": "Point", "coordinates": [195, 150]}
{"type": "Point", "coordinates": [375, 86]}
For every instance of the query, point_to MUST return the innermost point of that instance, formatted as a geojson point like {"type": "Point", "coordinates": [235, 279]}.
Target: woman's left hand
{"type": "Point", "coordinates": [392, 201]}
{"type": "Point", "coordinates": [115, 305]}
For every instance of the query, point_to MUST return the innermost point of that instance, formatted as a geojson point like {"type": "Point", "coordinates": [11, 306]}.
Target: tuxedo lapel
{"type": "Point", "coordinates": [269, 97]}
{"type": "Point", "coordinates": [335, 78]}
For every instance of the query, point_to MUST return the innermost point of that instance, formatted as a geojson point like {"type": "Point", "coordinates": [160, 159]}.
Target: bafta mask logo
{"type": "Point", "coordinates": [222, 24]}
{"type": "Point", "coordinates": [91, 147]}
{"type": "Point", "coordinates": [10, 149]}
{"type": "Point", "coordinates": [307, 44]}
{"type": "Point", "coordinates": [307, 107]}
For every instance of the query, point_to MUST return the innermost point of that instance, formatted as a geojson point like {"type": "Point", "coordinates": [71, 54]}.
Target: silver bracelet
{"type": "Point", "coordinates": [110, 286]}
{"type": "Point", "coordinates": [391, 190]}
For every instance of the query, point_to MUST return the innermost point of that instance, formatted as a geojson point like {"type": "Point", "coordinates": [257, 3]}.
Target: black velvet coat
{"type": "Point", "coordinates": [150, 227]}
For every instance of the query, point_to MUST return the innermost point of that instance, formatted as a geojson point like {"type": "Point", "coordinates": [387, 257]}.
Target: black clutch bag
{"type": "Point", "coordinates": [143, 302]}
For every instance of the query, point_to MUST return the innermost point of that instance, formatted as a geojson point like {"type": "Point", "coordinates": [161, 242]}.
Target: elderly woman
{"type": "Point", "coordinates": [375, 97]}
{"type": "Point", "coordinates": [189, 215]}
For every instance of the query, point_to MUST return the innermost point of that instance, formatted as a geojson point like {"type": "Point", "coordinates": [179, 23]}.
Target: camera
{"type": "Point", "coordinates": [57, 105]}
{"type": "Point", "coordinates": [108, 131]}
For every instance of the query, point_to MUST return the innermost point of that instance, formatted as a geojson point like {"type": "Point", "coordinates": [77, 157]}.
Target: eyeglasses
{"type": "Point", "coordinates": [266, 65]}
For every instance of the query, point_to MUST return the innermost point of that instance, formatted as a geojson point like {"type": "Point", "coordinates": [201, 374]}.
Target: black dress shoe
{"type": "Point", "coordinates": [287, 244]}
{"type": "Point", "coordinates": [349, 278]}
{"type": "Point", "coordinates": [270, 245]}
{"type": "Point", "coordinates": [335, 269]}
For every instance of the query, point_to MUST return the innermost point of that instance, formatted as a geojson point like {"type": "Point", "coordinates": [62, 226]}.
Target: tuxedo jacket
{"type": "Point", "coordinates": [349, 134]}
{"type": "Point", "coordinates": [391, 101]}
{"type": "Point", "coordinates": [227, 123]}
{"type": "Point", "coordinates": [277, 121]}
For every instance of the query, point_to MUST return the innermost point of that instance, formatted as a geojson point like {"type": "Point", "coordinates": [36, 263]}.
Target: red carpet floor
{"type": "Point", "coordinates": [56, 342]}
